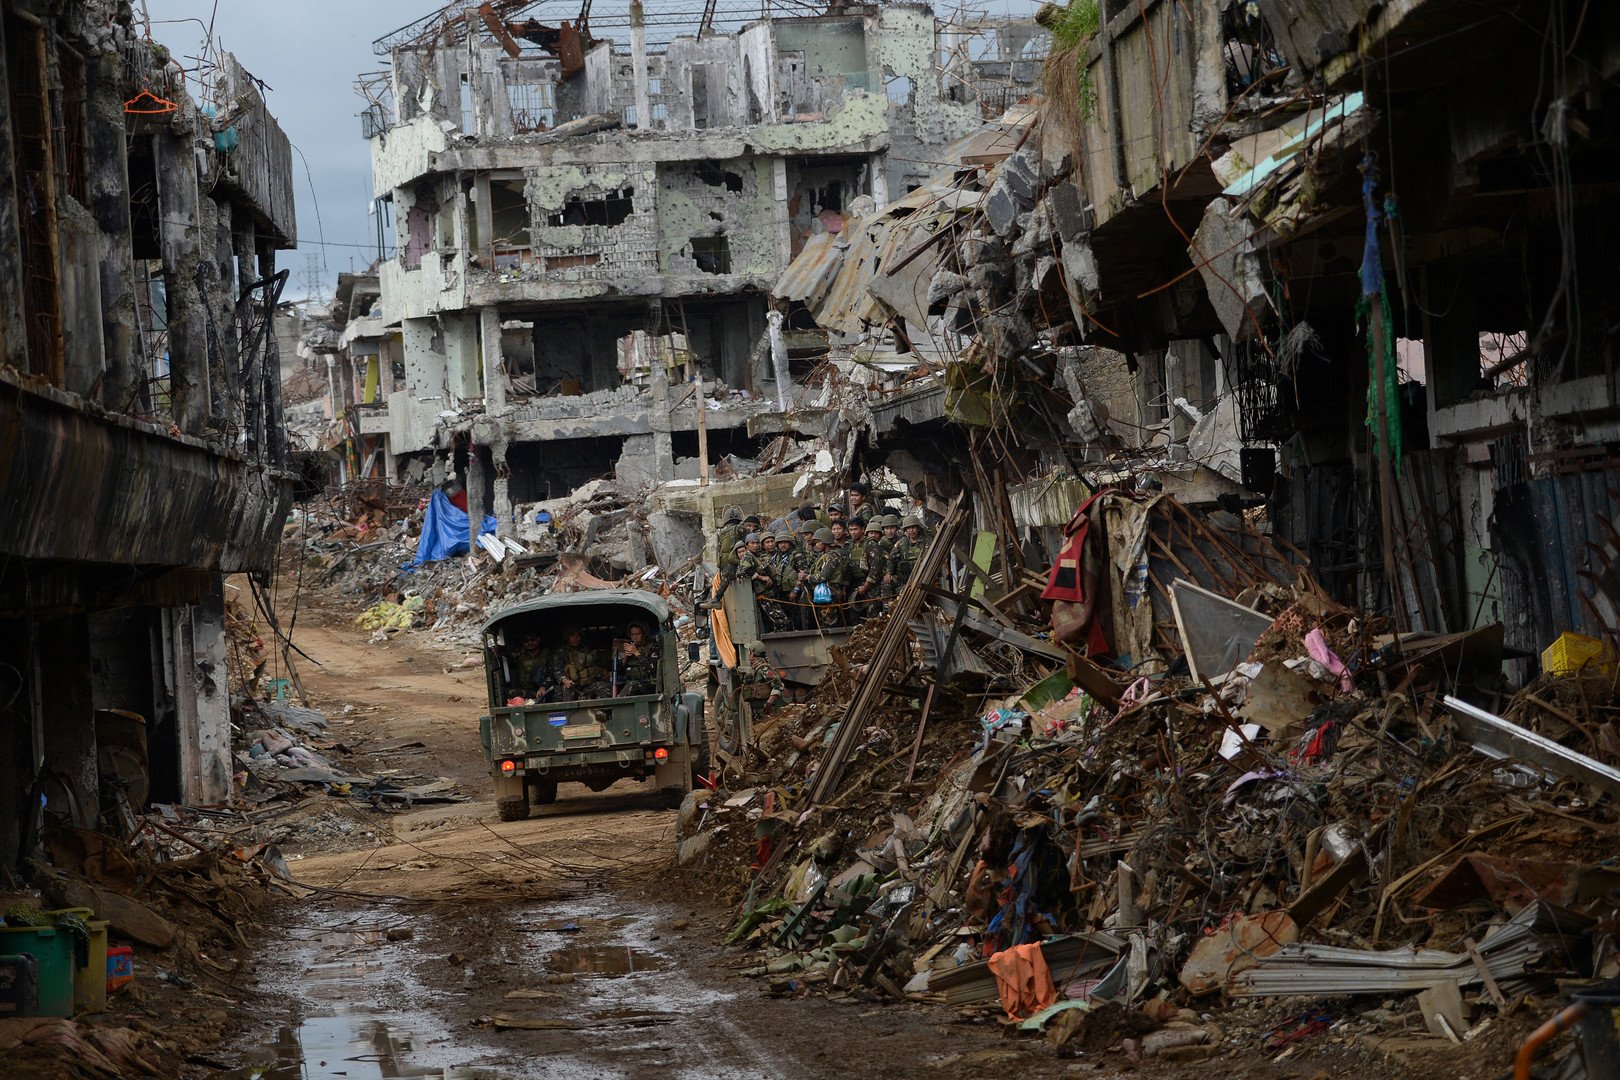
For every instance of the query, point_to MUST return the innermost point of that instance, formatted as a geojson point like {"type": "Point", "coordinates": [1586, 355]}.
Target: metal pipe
{"type": "Point", "coordinates": [1544, 1034]}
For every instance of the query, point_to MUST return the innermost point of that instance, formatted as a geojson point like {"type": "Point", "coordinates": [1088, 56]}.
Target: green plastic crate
{"type": "Point", "coordinates": [90, 981]}
{"type": "Point", "coordinates": [54, 952]}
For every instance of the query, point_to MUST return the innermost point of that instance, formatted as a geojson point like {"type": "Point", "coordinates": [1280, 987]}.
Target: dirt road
{"type": "Point", "coordinates": [461, 946]}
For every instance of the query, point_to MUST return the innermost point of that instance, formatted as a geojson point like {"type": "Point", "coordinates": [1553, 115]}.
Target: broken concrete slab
{"type": "Point", "coordinates": [1230, 266]}
{"type": "Point", "coordinates": [1443, 1010]}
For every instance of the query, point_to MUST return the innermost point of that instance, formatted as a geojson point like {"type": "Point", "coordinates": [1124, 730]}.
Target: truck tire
{"type": "Point", "coordinates": [701, 761]}
{"type": "Point", "coordinates": [513, 809]}
{"type": "Point", "coordinates": [543, 792]}
{"type": "Point", "coordinates": [723, 709]}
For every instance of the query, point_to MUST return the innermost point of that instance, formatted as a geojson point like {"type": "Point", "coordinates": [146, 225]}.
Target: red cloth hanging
{"type": "Point", "coordinates": [1066, 583]}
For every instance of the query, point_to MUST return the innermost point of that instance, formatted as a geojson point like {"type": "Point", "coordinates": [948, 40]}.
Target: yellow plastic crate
{"type": "Point", "coordinates": [1572, 653]}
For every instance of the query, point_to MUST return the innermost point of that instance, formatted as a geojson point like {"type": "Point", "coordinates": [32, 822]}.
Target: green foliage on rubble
{"type": "Point", "coordinates": [1073, 26]}
{"type": "Point", "coordinates": [1067, 79]}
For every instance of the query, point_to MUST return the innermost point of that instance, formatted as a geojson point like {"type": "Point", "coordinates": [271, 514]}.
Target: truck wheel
{"type": "Point", "coordinates": [513, 809]}
{"type": "Point", "coordinates": [724, 708]}
{"type": "Point", "coordinates": [700, 762]}
{"type": "Point", "coordinates": [544, 792]}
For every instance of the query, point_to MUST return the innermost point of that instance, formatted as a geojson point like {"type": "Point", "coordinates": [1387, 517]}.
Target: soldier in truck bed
{"type": "Point", "coordinates": [578, 671]}
{"type": "Point", "coordinates": [638, 662]}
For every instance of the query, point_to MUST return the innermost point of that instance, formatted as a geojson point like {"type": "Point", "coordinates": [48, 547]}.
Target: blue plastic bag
{"type": "Point", "coordinates": [822, 594]}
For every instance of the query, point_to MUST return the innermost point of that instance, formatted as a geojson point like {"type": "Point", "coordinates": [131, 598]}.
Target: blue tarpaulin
{"type": "Point", "coordinates": [444, 530]}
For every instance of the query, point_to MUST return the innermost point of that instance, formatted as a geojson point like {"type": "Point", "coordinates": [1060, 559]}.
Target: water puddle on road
{"type": "Point", "coordinates": [577, 991]}
{"type": "Point", "coordinates": [330, 980]}
{"type": "Point", "coordinates": [602, 960]}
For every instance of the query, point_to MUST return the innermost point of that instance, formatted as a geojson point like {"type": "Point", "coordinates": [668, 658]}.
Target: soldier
{"type": "Point", "coordinates": [840, 533]}
{"type": "Point", "coordinates": [638, 662]}
{"type": "Point", "coordinates": [833, 514]}
{"type": "Point", "coordinates": [860, 569]}
{"type": "Point", "coordinates": [860, 504]}
{"type": "Point", "coordinates": [761, 684]}
{"type": "Point", "coordinates": [890, 524]}
{"type": "Point", "coordinates": [731, 531]}
{"type": "Point", "coordinates": [578, 671]}
{"type": "Point", "coordinates": [909, 551]}
{"type": "Point", "coordinates": [757, 569]}
{"type": "Point", "coordinates": [730, 573]}
{"type": "Point", "coordinates": [531, 669]}
{"type": "Point", "coordinates": [790, 595]}
{"type": "Point", "coordinates": [827, 568]}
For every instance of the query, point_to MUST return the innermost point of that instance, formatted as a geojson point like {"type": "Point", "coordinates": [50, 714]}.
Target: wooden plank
{"type": "Point", "coordinates": [980, 556]}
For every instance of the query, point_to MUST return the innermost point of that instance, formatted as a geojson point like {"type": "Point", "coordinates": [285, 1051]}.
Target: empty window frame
{"type": "Point", "coordinates": [609, 210]}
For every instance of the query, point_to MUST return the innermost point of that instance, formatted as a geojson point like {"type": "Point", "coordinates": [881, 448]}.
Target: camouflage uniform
{"type": "Point", "coordinates": [907, 554]}
{"type": "Point", "coordinates": [828, 568]}
{"type": "Point", "coordinates": [585, 668]}
{"type": "Point", "coordinates": [888, 584]}
{"type": "Point", "coordinates": [761, 684]}
{"type": "Point", "coordinates": [639, 674]}
{"type": "Point", "coordinates": [531, 672]}
{"type": "Point", "coordinates": [726, 546]}
{"type": "Point", "coordinates": [859, 575]}
{"type": "Point", "coordinates": [786, 563]}
{"type": "Point", "coordinates": [877, 566]}
{"type": "Point", "coordinates": [756, 568]}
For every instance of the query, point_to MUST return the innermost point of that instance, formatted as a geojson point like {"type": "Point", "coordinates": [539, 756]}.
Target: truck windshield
{"type": "Point", "coordinates": [545, 660]}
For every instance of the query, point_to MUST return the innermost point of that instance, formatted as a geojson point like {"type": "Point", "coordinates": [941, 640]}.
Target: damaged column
{"type": "Point", "coordinates": [178, 199]}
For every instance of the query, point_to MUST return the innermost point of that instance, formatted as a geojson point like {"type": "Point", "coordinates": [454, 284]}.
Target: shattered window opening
{"type": "Point", "coordinates": [712, 254]}
{"type": "Point", "coordinates": [609, 211]}
{"type": "Point", "coordinates": [509, 216]}
{"type": "Point", "coordinates": [712, 174]}
{"type": "Point", "coordinates": [419, 228]}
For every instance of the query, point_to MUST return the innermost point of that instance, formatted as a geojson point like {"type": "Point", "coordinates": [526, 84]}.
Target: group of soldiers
{"type": "Point", "coordinates": [574, 671]}
{"type": "Point", "coordinates": [833, 565]}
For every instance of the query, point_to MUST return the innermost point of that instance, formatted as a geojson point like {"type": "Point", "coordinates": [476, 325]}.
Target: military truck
{"type": "Point", "coordinates": [652, 730]}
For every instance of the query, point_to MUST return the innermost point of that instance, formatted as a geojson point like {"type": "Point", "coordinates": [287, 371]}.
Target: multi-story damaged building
{"type": "Point", "coordinates": [141, 436]}
{"type": "Point", "coordinates": [554, 196]}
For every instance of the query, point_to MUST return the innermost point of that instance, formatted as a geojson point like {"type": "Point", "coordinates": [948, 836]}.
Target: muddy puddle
{"type": "Point", "coordinates": [366, 999]}
{"type": "Point", "coordinates": [602, 960]}
{"type": "Point", "coordinates": [352, 1012]}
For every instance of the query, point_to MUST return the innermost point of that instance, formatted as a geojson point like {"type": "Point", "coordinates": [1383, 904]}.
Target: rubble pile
{"type": "Point", "coordinates": [1311, 828]}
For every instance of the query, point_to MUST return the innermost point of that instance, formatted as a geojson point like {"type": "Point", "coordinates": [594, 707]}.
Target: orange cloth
{"type": "Point", "coordinates": [1023, 980]}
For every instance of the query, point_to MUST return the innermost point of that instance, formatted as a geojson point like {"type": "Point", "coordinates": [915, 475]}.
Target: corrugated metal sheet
{"type": "Point", "coordinates": [1047, 501]}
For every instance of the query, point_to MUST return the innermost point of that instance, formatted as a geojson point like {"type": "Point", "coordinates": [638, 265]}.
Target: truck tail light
{"type": "Point", "coordinates": [508, 766]}
{"type": "Point", "coordinates": [661, 753]}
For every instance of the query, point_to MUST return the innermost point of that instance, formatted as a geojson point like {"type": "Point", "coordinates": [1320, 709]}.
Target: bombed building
{"type": "Point", "coordinates": [585, 230]}
{"type": "Point", "coordinates": [141, 435]}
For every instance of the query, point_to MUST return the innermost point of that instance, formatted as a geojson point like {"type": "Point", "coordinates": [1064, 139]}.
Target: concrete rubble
{"type": "Point", "coordinates": [1249, 368]}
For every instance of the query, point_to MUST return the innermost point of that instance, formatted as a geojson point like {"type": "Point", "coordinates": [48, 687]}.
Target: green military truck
{"type": "Point", "coordinates": [649, 730]}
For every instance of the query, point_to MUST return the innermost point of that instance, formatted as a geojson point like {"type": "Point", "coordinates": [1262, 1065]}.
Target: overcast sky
{"type": "Point", "coordinates": [309, 52]}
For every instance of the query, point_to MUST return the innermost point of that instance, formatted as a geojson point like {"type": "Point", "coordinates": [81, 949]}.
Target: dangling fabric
{"type": "Point", "coordinates": [1065, 586]}
{"type": "Point", "coordinates": [1375, 288]}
